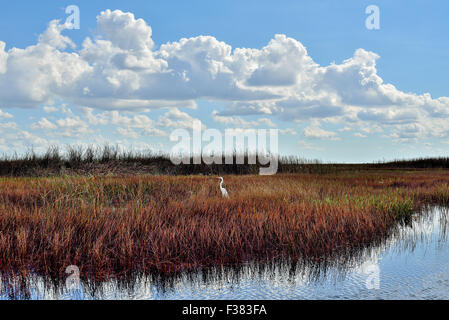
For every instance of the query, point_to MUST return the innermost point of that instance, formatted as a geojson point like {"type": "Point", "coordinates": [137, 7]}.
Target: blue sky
{"type": "Point", "coordinates": [331, 101]}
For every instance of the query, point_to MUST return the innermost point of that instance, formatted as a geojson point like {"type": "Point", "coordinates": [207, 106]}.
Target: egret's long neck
{"type": "Point", "coordinates": [221, 183]}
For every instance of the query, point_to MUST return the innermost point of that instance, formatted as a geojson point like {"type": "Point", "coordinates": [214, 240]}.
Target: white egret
{"type": "Point", "coordinates": [224, 193]}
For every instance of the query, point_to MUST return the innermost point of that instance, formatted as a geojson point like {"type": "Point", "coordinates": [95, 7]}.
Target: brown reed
{"type": "Point", "coordinates": [109, 226]}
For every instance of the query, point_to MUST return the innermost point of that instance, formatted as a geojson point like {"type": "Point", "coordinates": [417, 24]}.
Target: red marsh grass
{"type": "Point", "coordinates": [110, 226]}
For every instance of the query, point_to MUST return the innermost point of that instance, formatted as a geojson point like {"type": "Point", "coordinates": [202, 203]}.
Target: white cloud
{"type": "Point", "coordinates": [15, 139]}
{"type": "Point", "coordinates": [45, 124]}
{"type": "Point", "coordinates": [409, 132]}
{"type": "Point", "coordinates": [288, 131]}
{"type": "Point", "coordinates": [3, 57]}
{"type": "Point", "coordinates": [124, 31]}
{"type": "Point", "coordinates": [40, 72]}
{"type": "Point", "coordinates": [127, 132]}
{"type": "Point", "coordinates": [73, 126]}
{"type": "Point", "coordinates": [153, 132]}
{"type": "Point", "coordinates": [7, 125]}
{"type": "Point", "coordinates": [52, 37]}
{"type": "Point", "coordinates": [137, 121]}
{"type": "Point", "coordinates": [389, 116]}
{"type": "Point", "coordinates": [345, 129]}
{"type": "Point", "coordinates": [283, 62]}
{"type": "Point", "coordinates": [241, 123]}
{"type": "Point", "coordinates": [5, 115]}
{"type": "Point", "coordinates": [120, 69]}
{"type": "Point", "coordinates": [50, 109]}
{"type": "Point", "coordinates": [174, 118]}
{"type": "Point", "coordinates": [315, 132]}
{"type": "Point", "coordinates": [68, 127]}
{"type": "Point", "coordinates": [116, 118]}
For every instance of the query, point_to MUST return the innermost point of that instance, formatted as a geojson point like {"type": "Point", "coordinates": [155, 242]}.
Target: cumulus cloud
{"type": "Point", "coordinates": [360, 135]}
{"type": "Point", "coordinates": [315, 132]}
{"type": "Point", "coordinates": [288, 131]}
{"type": "Point", "coordinates": [5, 115]}
{"type": "Point", "coordinates": [14, 138]}
{"type": "Point", "coordinates": [128, 132]}
{"type": "Point", "coordinates": [120, 68]}
{"type": "Point", "coordinates": [39, 73]}
{"type": "Point", "coordinates": [3, 57]}
{"type": "Point", "coordinates": [389, 116]}
{"type": "Point", "coordinates": [283, 62]}
{"type": "Point", "coordinates": [240, 122]}
{"type": "Point", "coordinates": [73, 126]}
{"type": "Point", "coordinates": [409, 132]}
{"type": "Point", "coordinates": [50, 109]}
{"type": "Point", "coordinates": [125, 123]}
{"type": "Point", "coordinates": [7, 125]}
{"type": "Point", "coordinates": [45, 124]}
{"type": "Point", "coordinates": [176, 119]}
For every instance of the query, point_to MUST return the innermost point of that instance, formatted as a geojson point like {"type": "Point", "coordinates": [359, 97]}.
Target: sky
{"type": "Point", "coordinates": [134, 72]}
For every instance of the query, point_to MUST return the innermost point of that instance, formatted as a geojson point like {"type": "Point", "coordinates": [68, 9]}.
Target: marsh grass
{"type": "Point", "coordinates": [113, 226]}
{"type": "Point", "coordinates": [111, 160]}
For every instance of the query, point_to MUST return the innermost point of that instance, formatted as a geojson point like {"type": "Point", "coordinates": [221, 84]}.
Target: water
{"type": "Point", "coordinates": [412, 264]}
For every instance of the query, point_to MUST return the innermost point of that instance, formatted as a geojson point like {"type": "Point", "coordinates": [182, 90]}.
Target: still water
{"type": "Point", "coordinates": [413, 263]}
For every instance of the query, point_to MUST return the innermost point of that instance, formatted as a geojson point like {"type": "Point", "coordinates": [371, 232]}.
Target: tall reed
{"type": "Point", "coordinates": [119, 225]}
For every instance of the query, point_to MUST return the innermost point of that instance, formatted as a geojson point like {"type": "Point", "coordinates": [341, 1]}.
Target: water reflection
{"type": "Point", "coordinates": [413, 263]}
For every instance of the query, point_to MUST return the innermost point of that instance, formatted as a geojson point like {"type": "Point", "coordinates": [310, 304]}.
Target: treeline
{"type": "Point", "coordinates": [416, 163]}
{"type": "Point", "coordinates": [110, 160]}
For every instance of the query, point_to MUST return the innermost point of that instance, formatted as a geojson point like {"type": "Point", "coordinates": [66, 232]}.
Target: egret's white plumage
{"type": "Point", "coordinates": [224, 193]}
